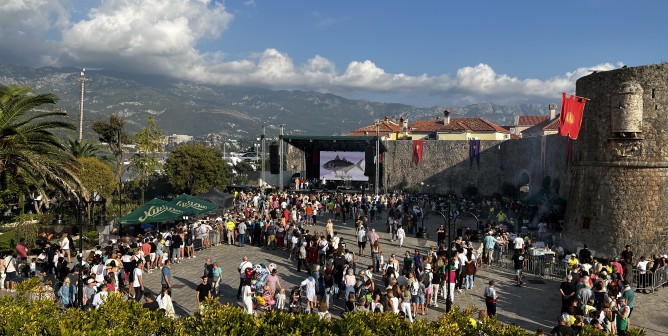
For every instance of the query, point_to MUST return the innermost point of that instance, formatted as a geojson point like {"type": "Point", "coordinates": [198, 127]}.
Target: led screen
{"type": "Point", "coordinates": [344, 166]}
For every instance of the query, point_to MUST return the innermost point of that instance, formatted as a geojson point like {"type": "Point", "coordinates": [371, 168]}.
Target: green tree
{"type": "Point", "coordinates": [149, 145]}
{"type": "Point", "coordinates": [83, 148]}
{"type": "Point", "coordinates": [241, 170]}
{"type": "Point", "coordinates": [27, 145]}
{"type": "Point", "coordinates": [113, 134]}
{"type": "Point", "coordinates": [96, 177]}
{"type": "Point", "coordinates": [195, 169]}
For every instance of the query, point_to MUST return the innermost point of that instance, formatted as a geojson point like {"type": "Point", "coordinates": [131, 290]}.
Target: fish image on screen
{"type": "Point", "coordinates": [344, 166]}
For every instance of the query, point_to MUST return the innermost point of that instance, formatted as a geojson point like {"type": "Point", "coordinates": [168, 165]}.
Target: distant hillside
{"type": "Point", "coordinates": [236, 112]}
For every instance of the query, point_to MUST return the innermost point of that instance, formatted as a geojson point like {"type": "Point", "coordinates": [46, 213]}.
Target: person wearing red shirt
{"type": "Point", "coordinates": [21, 251]}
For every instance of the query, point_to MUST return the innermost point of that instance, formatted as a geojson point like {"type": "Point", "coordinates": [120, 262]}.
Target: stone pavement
{"type": "Point", "coordinates": [536, 305]}
{"type": "Point", "coordinates": [532, 306]}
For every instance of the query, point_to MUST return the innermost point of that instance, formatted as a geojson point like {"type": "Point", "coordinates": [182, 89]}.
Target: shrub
{"type": "Point", "coordinates": [22, 316]}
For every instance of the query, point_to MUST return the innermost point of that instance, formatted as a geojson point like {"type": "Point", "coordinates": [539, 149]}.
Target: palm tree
{"type": "Point", "coordinates": [27, 144]}
{"type": "Point", "coordinates": [82, 149]}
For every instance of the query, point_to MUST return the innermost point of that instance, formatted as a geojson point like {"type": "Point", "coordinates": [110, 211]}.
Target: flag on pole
{"type": "Point", "coordinates": [417, 151]}
{"type": "Point", "coordinates": [474, 152]}
{"type": "Point", "coordinates": [571, 115]}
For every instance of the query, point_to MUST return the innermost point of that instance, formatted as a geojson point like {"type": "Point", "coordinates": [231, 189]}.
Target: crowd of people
{"type": "Point", "coordinates": [302, 225]}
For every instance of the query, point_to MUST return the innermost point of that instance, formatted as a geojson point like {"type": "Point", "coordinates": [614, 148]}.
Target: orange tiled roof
{"type": "Point", "coordinates": [426, 125]}
{"type": "Point", "coordinates": [456, 124]}
{"type": "Point", "coordinates": [546, 125]}
{"type": "Point", "coordinates": [385, 127]}
{"type": "Point", "coordinates": [531, 120]}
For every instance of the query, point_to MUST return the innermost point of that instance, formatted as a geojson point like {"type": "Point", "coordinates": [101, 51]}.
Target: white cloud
{"type": "Point", "coordinates": [139, 28]}
{"type": "Point", "coordinates": [161, 37]}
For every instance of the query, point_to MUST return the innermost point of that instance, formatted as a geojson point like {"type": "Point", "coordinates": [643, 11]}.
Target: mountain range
{"type": "Point", "coordinates": [235, 112]}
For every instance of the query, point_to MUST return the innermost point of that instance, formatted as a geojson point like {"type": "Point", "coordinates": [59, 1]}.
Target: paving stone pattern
{"type": "Point", "coordinates": [531, 306]}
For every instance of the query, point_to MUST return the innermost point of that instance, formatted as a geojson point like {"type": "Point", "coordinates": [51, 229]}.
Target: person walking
{"type": "Point", "coordinates": [243, 266]}
{"type": "Point", "coordinates": [301, 259]}
{"type": "Point", "coordinates": [400, 235]}
{"type": "Point", "coordinates": [241, 228]}
{"type": "Point", "coordinates": [490, 298]}
{"type": "Point", "coordinates": [138, 281]}
{"type": "Point", "coordinates": [203, 291]}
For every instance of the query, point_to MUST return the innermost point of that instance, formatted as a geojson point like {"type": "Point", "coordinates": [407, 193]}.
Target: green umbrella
{"type": "Point", "coordinates": [153, 211]}
{"type": "Point", "coordinates": [193, 205]}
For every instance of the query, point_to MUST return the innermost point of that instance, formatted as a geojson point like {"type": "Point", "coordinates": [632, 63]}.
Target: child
{"type": "Point", "coordinates": [280, 300]}
{"type": "Point", "coordinates": [382, 261]}
{"type": "Point", "coordinates": [33, 268]}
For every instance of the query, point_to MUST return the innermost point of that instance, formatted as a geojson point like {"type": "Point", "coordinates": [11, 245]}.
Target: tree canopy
{"type": "Point", "coordinates": [194, 169]}
{"type": "Point", "coordinates": [27, 145]}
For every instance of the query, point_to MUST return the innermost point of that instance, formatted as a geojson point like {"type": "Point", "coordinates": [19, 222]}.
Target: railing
{"type": "Point", "coordinates": [650, 281]}
{"type": "Point", "coordinates": [535, 265]}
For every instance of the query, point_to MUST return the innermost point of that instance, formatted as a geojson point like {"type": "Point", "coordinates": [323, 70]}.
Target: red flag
{"type": "Point", "coordinates": [417, 151]}
{"type": "Point", "coordinates": [571, 115]}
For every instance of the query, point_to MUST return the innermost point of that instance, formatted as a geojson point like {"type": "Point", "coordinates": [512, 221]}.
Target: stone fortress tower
{"type": "Point", "coordinates": [619, 179]}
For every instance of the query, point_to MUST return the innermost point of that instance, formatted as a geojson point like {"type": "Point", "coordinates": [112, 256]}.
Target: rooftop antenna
{"type": "Point", "coordinates": [83, 81]}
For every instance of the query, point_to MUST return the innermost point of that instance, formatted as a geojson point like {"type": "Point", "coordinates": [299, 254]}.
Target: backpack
{"type": "Point", "coordinates": [427, 279]}
{"type": "Point", "coordinates": [72, 246]}
{"type": "Point", "coordinates": [415, 288]}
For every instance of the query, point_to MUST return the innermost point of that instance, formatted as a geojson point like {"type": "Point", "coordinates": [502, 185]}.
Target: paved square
{"type": "Point", "coordinates": [536, 305]}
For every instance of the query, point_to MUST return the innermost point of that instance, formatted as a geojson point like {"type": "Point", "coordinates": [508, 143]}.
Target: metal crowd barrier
{"type": "Point", "coordinates": [535, 265]}
{"type": "Point", "coordinates": [650, 281]}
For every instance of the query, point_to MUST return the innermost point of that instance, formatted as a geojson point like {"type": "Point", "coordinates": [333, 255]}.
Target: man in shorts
{"type": "Point", "coordinates": [361, 240]}
{"type": "Point", "coordinates": [519, 261]}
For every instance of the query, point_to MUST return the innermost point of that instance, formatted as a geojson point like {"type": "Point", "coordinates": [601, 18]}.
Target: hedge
{"type": "Point", "coordinates": [24, 316]}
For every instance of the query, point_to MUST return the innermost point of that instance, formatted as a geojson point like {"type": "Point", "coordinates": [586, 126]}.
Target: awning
{"type": "Point", "coordinates": [153, 211]}
{"type": "Point", "coordinates": [193, 205]}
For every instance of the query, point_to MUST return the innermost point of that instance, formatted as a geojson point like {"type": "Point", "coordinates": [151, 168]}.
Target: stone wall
{"type": "Point", "coordinates": [619, 189]}
{"type": "Point", "coordinates": [446, 166]}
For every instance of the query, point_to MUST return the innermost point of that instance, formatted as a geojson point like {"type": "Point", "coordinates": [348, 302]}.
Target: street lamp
{"type": "Point", "coordinates": [446, 221]}
{"type": "Point", "coordinates": [58, 225]}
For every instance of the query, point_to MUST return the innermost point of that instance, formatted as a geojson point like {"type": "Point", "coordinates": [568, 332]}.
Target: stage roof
{"type": "Point", "coordinates": [333, 143]}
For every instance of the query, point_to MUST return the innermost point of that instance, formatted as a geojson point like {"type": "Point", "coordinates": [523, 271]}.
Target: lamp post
{"type": "Point", "coordinates": [446, 221]}
{"type": "Point", "coordinates": [58, 224]}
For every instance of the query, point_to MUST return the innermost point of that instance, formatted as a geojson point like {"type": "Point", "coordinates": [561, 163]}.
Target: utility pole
{"type": "Point", "coordinates": [280, 160]}
{"type": "Point", "coordinates": [83, 81]}
{"type": "Point", "coordinates": [376, 180]}
{"type": "Point", "coordinates": [262, 168]}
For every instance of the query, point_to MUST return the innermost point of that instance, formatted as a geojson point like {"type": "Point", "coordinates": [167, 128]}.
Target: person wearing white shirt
{"type": "Point", "coordinates": [642, 270]}
{"type": "Point", "coordinates": [400, 235]}
{"type": "Point", "coordinates": [165, 302]}
{"type": "Point", "coordinates": [138, 281]}
{"type": "Point", "coordinates": [309, 283]}
{"type": "Point", "coordinates": [245, 264]}
{"type": "Point", "coordinates": [518, 243]}
{"type": "Point", "coordinates": [100, 296]}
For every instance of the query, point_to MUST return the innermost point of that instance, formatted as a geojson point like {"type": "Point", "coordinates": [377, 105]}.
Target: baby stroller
{"type": "Point", "coordinates": [263, 301]}
{"type": "Point", "coordinates": [295, 305]}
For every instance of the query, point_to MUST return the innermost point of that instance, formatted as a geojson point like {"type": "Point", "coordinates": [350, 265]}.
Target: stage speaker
{"type": "Point", "coordinates": [274, 160]}
{"type": "Point", "coordinates": [369, 165]}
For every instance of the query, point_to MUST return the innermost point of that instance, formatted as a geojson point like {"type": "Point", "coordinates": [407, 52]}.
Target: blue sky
{"type": "Point", "coordinates": [448, 53]}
